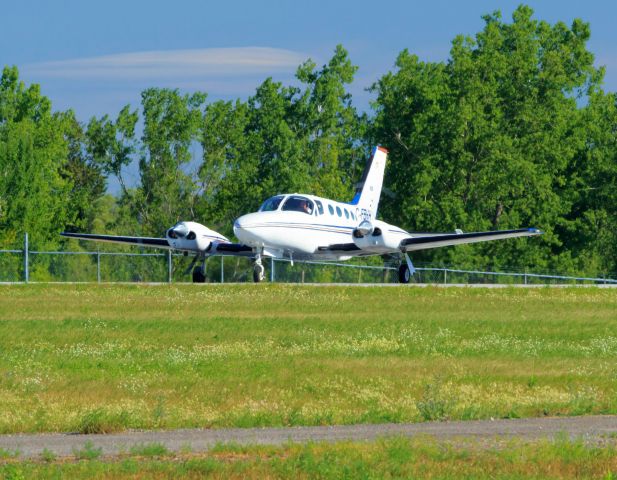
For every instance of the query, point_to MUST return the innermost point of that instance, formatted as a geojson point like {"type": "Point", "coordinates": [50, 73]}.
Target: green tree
{"type": "Point", "coordinates": [34, 184]}
{"type": "Point", "coordinates": [485, 140]}
{"type": "Point", "coordinates": [171, 127]}
{"type": "Point", "coordinates": [284, 139]}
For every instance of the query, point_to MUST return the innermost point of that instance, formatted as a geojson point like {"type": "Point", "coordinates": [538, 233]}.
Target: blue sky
{"type": "Point", "coordinates": [96, 57]}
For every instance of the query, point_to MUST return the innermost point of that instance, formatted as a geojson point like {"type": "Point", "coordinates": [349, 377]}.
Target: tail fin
{"type": "Point", "coordinates": [368, 190]}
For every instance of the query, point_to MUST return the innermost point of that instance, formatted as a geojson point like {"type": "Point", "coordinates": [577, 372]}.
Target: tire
{"type": "Point", "coordinates": [258, 273]}
{"type": "Point", "coordinates": [198, 275]}
{"type": "Point", "coordinates": [404, 275]}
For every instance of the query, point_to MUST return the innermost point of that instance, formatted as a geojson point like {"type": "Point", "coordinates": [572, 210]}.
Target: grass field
{"type": "Point", "coordinates": [391, 458]}
{"type": "Point", "coordinates": [95, 358]}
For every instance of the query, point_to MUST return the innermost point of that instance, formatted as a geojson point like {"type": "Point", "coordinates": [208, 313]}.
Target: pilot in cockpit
{"type": "Point", "coordinates": [306, 207]}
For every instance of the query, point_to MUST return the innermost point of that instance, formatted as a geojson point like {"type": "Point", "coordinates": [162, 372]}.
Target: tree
{"type": "Point", "coordinates": [34, 186]}
{"type": "Point", "coordinates": [284, 139]}
{"type": "Point", "coordinates": [171, 126]}
{"type": "Point", "coordinates": [485, 140]}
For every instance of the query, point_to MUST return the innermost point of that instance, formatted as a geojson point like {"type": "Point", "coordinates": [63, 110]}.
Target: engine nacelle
{"type": "Point", "coordinates": [192, 237]}
{"type": "Point", "coordinates": [379, 239]}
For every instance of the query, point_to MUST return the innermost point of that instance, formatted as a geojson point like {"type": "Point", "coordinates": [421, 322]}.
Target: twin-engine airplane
{"type": "Point", "coordinates": [305, 227]}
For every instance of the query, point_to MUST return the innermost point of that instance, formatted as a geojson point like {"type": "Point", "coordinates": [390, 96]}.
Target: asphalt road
{"type": "Point", "coordinates": [589, 428]}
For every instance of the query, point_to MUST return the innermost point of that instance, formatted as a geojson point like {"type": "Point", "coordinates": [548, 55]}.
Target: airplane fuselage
{"type": "Point", "coordinates": [290, 231]}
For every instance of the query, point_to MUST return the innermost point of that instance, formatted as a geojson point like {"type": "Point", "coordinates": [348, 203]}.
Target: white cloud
{"type": "Point", "coordinates": [172, 64]}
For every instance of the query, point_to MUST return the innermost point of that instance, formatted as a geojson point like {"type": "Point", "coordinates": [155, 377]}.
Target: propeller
{"type": "Point", "coordinates": [365, 228]}
{"type": "Point", "coordinates": [181, 230]}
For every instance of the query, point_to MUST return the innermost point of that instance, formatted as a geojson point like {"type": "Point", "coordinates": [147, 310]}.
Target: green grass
{"type": "Point", "coordinates": [88, 452]}
{"type": "Point", "coordinates": [153, 449]}
{"type": "Point", "coordinates": [391, 458]}
{"type": "Point", "coordinates": [98, 359]}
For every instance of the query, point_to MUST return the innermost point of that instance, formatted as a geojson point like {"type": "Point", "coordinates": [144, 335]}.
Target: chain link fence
{"type": "Point", "coordinates": [105, 266]}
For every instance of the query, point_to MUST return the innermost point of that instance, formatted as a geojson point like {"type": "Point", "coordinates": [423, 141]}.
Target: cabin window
{"type": "Point", "coordinates": [338, 211]}
{"type": "Point", "coordinates": [330, 209]}
{"type": "Point", "coordinates": [296, 203]}
{"type": "Point", "coordinates": [272, 204]}
{"type": "Point", "coordinates": [353, 217]}
{"type": "Point", "coordinates": [346, 214]}
{"type": "Point", "coordinates": [319, 207]}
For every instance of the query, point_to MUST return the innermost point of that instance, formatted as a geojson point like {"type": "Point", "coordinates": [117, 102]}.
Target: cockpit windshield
{"type": "Point", "coordinates": [272, 204]}
{"type": "Point", "coordinates": [299, 204]}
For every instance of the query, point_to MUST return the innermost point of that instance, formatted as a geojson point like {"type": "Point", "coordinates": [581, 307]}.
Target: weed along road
{"type": "Point", "coordinates": [591, 429]}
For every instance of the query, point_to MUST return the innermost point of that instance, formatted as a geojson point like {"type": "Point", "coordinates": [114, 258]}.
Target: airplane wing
{"type": "Point", "coordinates": [140, 241]}
{"type": "Point", "coordinates": [218, 248]}
{"type": "Point", "coordinates": [426, 241]}
{"type": "Point", "coordinates": [233, 249]}
{"type": "Point", "coordinates": [340, 247]}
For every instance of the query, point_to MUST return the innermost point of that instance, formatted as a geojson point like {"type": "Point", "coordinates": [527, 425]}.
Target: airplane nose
{"type": "Point", "coordinates": [240, 223]}
{"type": "Point", "coordinates": [244, 228]}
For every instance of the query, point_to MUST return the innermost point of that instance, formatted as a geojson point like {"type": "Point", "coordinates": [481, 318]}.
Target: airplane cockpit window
{"type": "Point", "coordinates": [319, 207]}
{"type": "Point", "coordinates": [191, 236]}
{"type": "Point", "coordinates": [298, 204]}
{"type": "Point", "coordinates": [171, 233]}
{"type": "Point", "coordinates": [272, 204]}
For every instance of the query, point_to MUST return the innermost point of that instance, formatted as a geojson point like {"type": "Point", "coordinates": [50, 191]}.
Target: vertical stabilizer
{"type": "Point", "coordinates": [368, 190]}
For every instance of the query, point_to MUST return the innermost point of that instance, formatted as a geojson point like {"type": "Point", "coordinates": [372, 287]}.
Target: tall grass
{"type": "Point", "coordinates": [94, 358]}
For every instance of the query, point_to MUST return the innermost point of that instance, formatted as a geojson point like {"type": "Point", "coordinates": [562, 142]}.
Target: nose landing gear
{"type": "Point", "coordinates": [258, 270]}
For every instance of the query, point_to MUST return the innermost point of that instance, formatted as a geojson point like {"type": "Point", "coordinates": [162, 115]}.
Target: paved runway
{"type": "Point", "coordinates": [589, 428]}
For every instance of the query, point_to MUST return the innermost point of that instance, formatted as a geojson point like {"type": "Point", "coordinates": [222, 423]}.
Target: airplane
{"type": "Point", "coordinates": [306, 227]}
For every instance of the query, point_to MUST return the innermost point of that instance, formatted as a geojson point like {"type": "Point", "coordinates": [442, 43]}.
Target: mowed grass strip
{"type": "Point", "coordinates": [388, 458]}
{"type": "Point", "coordinates": [95, 359]}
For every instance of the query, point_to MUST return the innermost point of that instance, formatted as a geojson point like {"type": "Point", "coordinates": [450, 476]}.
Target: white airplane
{"type": "Point", "coordinates": [305, 227]}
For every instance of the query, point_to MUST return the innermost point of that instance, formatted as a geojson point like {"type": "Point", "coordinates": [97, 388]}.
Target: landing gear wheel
{"type": "Point", "coordinates": [404, 275]}
{"type": "Point", "coordinates": [198, 275]}
{"type": "Point", "coordinates": [258, 272]}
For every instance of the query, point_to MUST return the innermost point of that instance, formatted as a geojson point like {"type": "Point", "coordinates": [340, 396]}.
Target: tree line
{"type": "Point", "coordinates": [513, 130]}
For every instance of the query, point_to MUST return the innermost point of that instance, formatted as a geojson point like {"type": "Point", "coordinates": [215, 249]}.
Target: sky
{"type": "Point", "coordinates": [96, 57]}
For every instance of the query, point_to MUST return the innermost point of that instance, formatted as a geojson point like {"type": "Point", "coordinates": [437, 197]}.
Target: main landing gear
{"type": "Point", "coordinates": [405, 270]}
{"type": "Point", "coordinates": [258, 270]}
{"type": "Point", "coordinates": [199, 276]}
{"type": "Point", "coordinates": [199, 271]}
{"type": "Point", "coordinates": [404, 274]}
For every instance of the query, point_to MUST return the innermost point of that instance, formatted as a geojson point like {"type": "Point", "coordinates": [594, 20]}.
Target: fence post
{"type": "Point", "coordinates": [272, 270]}
{"type": "Point", "coordinates": [168, 266]}
{"type": "Point", "coordinates": [98, 266]}
{"type": "Point", "coordinates": [26, 272]}
{"type": "Point", "coordinates": [222, 270]}
{"type": "Point", "coordinates": [445, 276]}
